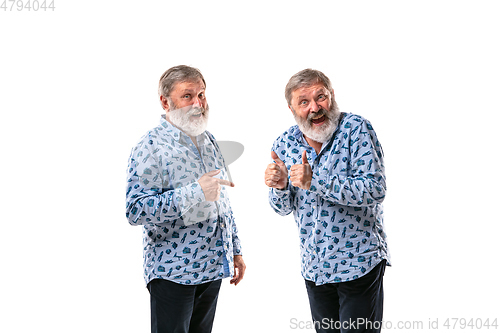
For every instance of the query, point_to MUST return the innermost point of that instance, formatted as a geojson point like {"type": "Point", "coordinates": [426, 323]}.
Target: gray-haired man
{"type": "Point", "coordinates": [176, 191]}
{"type": "Point", "coordinates": [328, 170]}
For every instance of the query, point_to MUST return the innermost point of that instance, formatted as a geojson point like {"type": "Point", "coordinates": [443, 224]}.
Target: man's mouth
{"type": "Point", "coordinates": [318, 119]}
{"type": "Point", "coordinates": [197, 113]}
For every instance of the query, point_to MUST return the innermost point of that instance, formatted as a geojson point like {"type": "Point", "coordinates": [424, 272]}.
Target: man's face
{"type": "Point", "coordinates": [187, 107]}
{"type": "Point", "coordinates": [314, 111]}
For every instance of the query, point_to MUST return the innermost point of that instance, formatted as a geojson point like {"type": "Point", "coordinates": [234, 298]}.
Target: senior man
{"type": "Point", "coordinates": [328, 169]}
{"type": "Point", "coordinates": [176, 191]}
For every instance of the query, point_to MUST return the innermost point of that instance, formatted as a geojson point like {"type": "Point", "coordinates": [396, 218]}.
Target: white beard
{"type": "Point", "coordinates": [324, 132]}
{"type": "Point", "coordinates": [182, 119]}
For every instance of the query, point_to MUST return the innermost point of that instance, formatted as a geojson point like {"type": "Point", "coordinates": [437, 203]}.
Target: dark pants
{"type": "Point", "coordinates": [177, 308]}
{"type": "Point", "coordinates": [352, 306]}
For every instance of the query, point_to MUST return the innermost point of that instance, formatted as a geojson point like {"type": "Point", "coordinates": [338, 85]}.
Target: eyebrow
{"type": "Point", "coordinates": [316, 93]}
{"type": "Point", "coordinates": [191, 91]}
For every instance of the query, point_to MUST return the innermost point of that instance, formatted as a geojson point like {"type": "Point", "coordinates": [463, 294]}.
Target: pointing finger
{"type": "Point", "coordinates": [225, 182]}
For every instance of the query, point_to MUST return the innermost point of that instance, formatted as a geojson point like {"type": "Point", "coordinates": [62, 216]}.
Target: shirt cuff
{"type": "Point", "coordinates": [197, 193]}
{"type": "Point", "coordinates": [237, 247]}
{"type": "Point", "coordinates": [281, 194]}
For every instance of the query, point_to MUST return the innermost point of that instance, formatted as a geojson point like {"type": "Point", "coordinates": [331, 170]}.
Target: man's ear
{"type": "Point", "coordinates": [291, 109]}
{"type": "Point", "coordinates": [332, 96]}
{"type": "Point", "coordinates": [164, 103]}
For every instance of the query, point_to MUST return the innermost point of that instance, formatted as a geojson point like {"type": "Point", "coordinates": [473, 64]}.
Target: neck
{"type": "Point", "coordinates": [193, 138]}
{"type": "Point", "coordinates": [315, 144]}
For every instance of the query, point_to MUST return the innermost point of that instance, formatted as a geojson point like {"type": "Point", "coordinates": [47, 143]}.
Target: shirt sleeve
{"type": "Point", "coordinates": [236, 241]}
{"type": "Point", "coordinates": [365, 184]}
{"type": "Point", "coordinates": [281, 200]}
{"type": "Point", "coordinates": [149, 196]}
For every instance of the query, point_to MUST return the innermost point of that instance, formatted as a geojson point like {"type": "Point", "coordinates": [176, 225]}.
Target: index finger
{"type": "Point", "coordinates": [225, 182]}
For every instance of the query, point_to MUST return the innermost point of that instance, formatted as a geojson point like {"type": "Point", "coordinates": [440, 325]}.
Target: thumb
{"type": "Point", "coordinates": [275, 157]}
{"type": "Point", "coordinates": [212, 173]}
{"type": "Point", "coordinates": [304, 158]}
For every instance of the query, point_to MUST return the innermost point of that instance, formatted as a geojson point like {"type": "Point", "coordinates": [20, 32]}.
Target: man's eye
{"type": "Point", "coordinates": [321, 97]}
{"type": "Point", "coordinates": [186, 96]}
{"type": "Point", "coordinates": [303, 103]}
{"type": "Point", "coordinates": [201, 95]}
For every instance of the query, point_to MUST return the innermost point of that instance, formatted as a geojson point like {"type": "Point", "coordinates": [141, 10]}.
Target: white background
{"type": "Point", "coordinates": [78, 90]}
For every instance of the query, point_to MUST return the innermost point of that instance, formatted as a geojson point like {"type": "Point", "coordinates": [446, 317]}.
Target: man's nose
{"type": "Point", "coordinates": [197, 102]}
{"type": "Point", "coordinates": [313, 107]}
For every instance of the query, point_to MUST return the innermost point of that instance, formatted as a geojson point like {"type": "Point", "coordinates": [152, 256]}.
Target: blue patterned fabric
{"type": "Point", "coordinates": [186, 239]}
{"type": "Point", "coordinates": [340, 218]}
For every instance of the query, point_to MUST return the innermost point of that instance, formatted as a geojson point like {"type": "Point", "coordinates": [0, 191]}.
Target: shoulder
{"type": "Point", "coordinates": [210, 136]}
{"type": "Point", "coordinates": [360, 133]}
{"type": "Point", "coordinates": [350, 120]}
{"type": "Point", "coordinates": [212, 139]}
{"type": "Point", "coordinates": [287, 137]}
{"type": "Point", "coordinates": [354, 123]}
{"type": "Point", "coordinates": [149, 140]}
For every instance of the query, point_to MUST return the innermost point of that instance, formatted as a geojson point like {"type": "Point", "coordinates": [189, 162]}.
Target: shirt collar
{"type": "Point", "coordinates": [297, 133]}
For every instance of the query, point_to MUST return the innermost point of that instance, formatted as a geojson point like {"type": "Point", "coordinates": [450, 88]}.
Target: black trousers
{"type": "Point", "coordinates": [353, 306]}
{"type": "Point", "coordinates": [177, 308]}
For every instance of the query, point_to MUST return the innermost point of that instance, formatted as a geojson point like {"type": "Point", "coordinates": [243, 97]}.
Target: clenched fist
{"type": "Point", "coordinates": [211, 186]}
{"type": "Point", "coordinates": [301, 174]}
{"type": "Point", "coordinates": [276, 173]}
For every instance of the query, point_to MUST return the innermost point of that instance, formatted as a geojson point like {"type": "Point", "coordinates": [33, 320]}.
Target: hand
{"type": "Point", "coordinates": [211, 186]}
{"type": "Point", "coordinates": [239, 270]}
{"type": "Point", "coordinates": [301, 174]}
{"type": "Point", "coordinates": [276, 173]}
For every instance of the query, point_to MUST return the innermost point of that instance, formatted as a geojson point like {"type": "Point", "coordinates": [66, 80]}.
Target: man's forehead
{"type": "Point", "coordinates": [305, 91]}
{"type": "Point", "coordinates": [189, 85]}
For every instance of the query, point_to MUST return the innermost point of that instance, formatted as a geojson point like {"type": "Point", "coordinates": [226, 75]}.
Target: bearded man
{"type": "Point", "coordinates": [175, 191]}
{"type": "Point", "coordinates": [328, 170]}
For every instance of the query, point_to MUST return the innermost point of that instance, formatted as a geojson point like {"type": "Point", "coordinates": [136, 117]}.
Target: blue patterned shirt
{"type": "Point", "coordinates": [340, 218]}
{"type": "Point", "coordinates": [186, 239]}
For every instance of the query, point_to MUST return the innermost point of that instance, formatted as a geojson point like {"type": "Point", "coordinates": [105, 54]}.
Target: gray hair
{"type": "Point", "coordinates": [306, 78]}
{"type": "Point", "coordinates": [175, 75]}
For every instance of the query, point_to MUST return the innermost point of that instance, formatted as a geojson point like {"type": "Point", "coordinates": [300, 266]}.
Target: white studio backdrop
{"type": "Point", "coordinates": [78, 89]}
